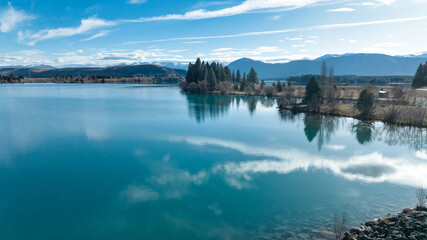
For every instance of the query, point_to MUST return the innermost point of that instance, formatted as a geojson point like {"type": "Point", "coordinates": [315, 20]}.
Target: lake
{"type": "Point", "coordinates": [149, 162]}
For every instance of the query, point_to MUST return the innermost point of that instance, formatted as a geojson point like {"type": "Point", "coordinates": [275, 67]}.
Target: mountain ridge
{"type": "Point", "coordinates": [361, 64]}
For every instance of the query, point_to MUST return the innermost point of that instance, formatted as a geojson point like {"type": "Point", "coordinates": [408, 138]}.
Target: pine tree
{"type": "Point", "coordinates": [323, 72]}
{"type": "Point", "coordinates": [313, 92]}
{"type": "Point", "coordinates": [262, 83]}
{"type": "Point", "coordinates": [238, 77]}
{"type": "Point", "coordinates": [366, 104]}
{"type": "Point", "coordinates": [243, 83]}
{"type": "Point", "coordinates": [279, 86]}
{"type": "Point", "coordinates": [233, 78]}
{"type": "Point", "coordinates": [211, 80]}
{"type": "Point", "coordinates": [198, 70]}
{"type": "Point", "coordinates": [190, 73]}
{"type": "Point", "coordinates": [228, 76]}
{"type": "Point", "coordinates": [253, 77]}
{"type": "Point", "coordinates": [419, 77]}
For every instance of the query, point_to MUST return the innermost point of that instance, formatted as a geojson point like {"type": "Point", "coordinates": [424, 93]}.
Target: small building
{"type": "Point", "coordinates": [382, 94]}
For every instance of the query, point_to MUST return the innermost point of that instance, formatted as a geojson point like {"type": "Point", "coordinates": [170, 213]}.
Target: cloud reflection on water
{"type": "Point", "coordinates": [373, 167]}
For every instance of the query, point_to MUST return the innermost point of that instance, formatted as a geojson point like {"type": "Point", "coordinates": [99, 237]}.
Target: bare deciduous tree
{"type": "Point", "coordinates": [392, 113]}
{"type": "Point", "coordinates": [401, 96]}
{"type": "Point", "coordinates": [340, 224]}
{"type": "Point", "coordinates": [289, 97]}
{"type": "Point", "coordinates": [416, 115]}
{"type": "Point", "coordinates": [421, 194]}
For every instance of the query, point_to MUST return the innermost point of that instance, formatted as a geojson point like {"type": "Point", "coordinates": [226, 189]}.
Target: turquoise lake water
{"type": "Point", "coordinates": [148, 162]}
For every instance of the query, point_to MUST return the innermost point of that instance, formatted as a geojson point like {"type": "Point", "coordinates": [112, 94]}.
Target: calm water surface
{"type": "Point", "coordinates": [148, 162]}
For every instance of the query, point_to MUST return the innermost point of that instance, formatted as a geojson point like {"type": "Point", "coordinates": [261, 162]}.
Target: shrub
{"type": "Point", "coordinates": [224, 87]}
{"type": "Point", "coordinates": [269, 91]}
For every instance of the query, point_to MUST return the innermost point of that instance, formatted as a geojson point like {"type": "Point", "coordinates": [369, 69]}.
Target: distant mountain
{"type": "Point", "coordinates": [148, 70]}
{"type": "Point", "coordinates": [29, 66]}
{"type": "Point", "coordinates": [347, 64]}
{"type": "Point", "coordinates": [174, 65]}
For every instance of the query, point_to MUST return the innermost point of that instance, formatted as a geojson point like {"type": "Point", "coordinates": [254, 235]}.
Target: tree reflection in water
{"type": "Point", "coordinates": [202, 106]}
{"type": "Point", "coordinates": [411, 137]}
{"type": "Point", "coordinates": [363, 131]}
{"type": "Point", "coordinates": [320, 127]}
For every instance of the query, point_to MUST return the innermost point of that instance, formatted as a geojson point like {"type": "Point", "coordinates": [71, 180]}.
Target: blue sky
{"type": "Point", "coordinates": [65, 33]}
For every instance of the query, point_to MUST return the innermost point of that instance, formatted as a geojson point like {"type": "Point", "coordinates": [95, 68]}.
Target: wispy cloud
{"type": "Point", "coordinates": [289, 30]}
{"type": "Point", "coordinates": [98, 35]}
{"type": "Point", "coordinates": [10, 18]}
{"type": "Point", "coordinates": [194, 42]}
{"type": "Point", "coordinates": [206, 4]}
{"type": "Point", "coordinates": [345, 9]}
{"type": "Point", "coordinates": [245, 7]}
{"type": "Point", "coordinates": [137, 1]}
{"type": "Point", "coordinates": [386, 44]}
{"type": "Point", "coordinates": [86, 26]}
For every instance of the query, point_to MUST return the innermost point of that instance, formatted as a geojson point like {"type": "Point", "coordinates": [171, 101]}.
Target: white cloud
{"type": "Point", "coordinates": [178, 50]}
{"type": "Point", "coordinates": [386, 2]}
{"type": "Point", "coordinates": [194, 42]}
{"type": "Point", "coordinates": [362, 4]}
{"type": "Point", "coordinates": [341, 10]}
{"type": "Point", "coordinates": [289, 30]}
{"type": "Point", "coordinates": [353, 41]}
{"type": "Point", "coordinates": [137, 1]}
{"type": "Point", "coordinates": [222, 49]}
{"type": "Point", "coordinates": [277, 17]}
{"type": "Point", "coordinates": [310, 42]}
{"type": "Point", "coordinates": [11, 17]}
{"type": "Point", "coordinates": [230, 54]}
{"type": "Point", "coordinates": [294, 39]}
{"type": "Point", "coordinates": [86, 26]}
{"type": "Point", "coordinates": [298, 45]}
{"type": "Point", "coordinates": [245, 7]}
{"type": "Point", "coordinates": [386, 44]}
{"type": "Point", "coordinates": [98, 35]}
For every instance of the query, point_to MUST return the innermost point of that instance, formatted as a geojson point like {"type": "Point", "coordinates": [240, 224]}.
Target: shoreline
{"type": "Point", "coordinates": [408, 224]}
{"type": "Point", "coordinates": [345, 108]}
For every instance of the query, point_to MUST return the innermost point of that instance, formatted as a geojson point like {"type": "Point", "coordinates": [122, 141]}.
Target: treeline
{"type": "Point", "coordinates": [420, 79]}
{"type": "Point", "coordinates": [10, 78]}
{"type": "Point", "coordinates": [203, 77]}
{"type": "Point", "coordinates": [91, 77]}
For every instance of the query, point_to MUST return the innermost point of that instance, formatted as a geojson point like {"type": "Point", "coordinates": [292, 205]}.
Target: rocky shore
{"type": "Point", "coordinates": [409, 224]}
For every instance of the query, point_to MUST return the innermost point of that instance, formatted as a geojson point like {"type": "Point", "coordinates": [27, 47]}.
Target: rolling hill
{"type": "Point", "coordinates": [145, 70]}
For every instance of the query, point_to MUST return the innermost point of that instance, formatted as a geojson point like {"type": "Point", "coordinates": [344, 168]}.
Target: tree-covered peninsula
{"type": "Point", "coordinates": [205, 77]}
